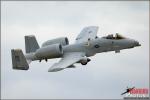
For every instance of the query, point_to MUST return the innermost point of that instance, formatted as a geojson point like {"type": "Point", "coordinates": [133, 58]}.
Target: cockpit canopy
{"type": "Point", "coordinates": [116, 37]}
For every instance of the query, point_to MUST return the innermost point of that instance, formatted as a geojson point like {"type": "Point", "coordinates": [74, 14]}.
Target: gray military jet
{"type": "Point", "coordinates": [87, 44]}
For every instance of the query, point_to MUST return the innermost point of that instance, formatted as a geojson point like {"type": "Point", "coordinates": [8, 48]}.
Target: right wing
{"type": "Point", "coordinates": [88, 33]}
{"type": "Point", "coordinates": [67, 61]}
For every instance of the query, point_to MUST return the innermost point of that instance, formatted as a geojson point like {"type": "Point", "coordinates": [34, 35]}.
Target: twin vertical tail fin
{"type": "Point", "coordinates": [31, 44]}
{"type": "Point", "coordinates": [18, 60]}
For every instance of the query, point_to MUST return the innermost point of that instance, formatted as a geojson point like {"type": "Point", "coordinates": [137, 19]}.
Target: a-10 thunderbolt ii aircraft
{"type": "Point", "coordinates": [87, 44]}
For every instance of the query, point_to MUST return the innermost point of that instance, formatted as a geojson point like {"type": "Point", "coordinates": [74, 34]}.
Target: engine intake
{"type": "Point", "coordinates": [50, 51]}
{"type": "Point", "coordinates": [63, 41]}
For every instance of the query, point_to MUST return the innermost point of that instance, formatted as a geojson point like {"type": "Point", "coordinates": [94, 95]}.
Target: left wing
{"type": "Point", "coordinates": [88, 33]}
{"type": "Point", "coordinates": [68, 60]}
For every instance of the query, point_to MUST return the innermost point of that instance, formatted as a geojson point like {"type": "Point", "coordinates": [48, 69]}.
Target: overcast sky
{"type": "Point", "coordinates": [106, 76]}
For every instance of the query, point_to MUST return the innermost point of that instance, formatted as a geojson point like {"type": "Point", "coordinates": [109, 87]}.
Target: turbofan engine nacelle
{"type": "Point", "coordinates": [50, 51]}
{"type": "Point", "coordinates": [63, 41]}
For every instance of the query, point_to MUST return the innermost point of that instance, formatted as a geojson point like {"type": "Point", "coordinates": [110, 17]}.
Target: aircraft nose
{"type": "Point", "coordinates": [136, 43]}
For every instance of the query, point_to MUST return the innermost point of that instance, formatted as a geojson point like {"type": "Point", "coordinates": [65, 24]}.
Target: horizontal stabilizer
{"type": "Point", "coordinates": [18, 60]}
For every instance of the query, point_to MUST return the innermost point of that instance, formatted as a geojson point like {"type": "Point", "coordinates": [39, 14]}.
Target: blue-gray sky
{"type": "Point", "coordinates": [106, 76]}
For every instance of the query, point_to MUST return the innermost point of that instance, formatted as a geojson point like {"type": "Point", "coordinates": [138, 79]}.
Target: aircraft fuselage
{"type": "Point", "coordinates": [100, 45]}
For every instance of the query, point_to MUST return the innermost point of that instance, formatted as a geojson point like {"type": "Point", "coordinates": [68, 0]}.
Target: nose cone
{"type": "Point", "coordinates": [136, 43]}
